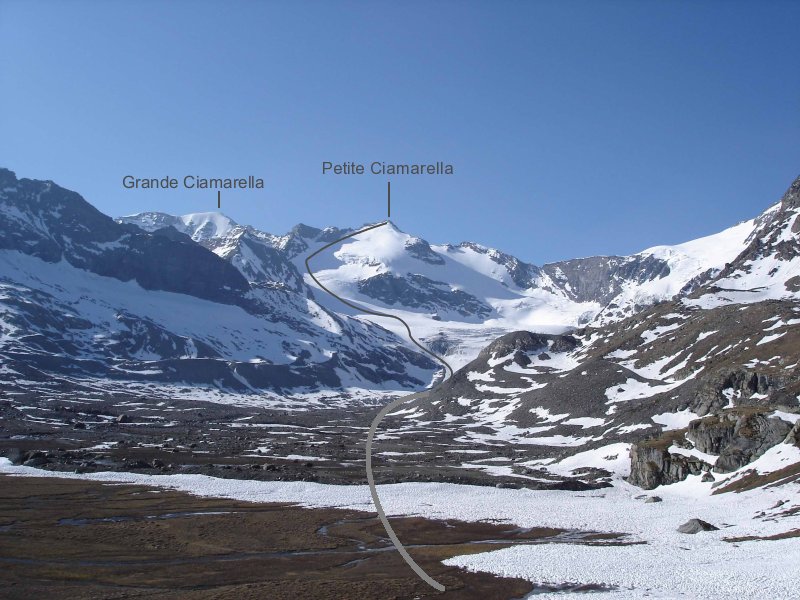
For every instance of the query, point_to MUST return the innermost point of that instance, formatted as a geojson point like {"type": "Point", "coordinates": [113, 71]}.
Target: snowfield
{"type": "Point", "coordinates": [657, 561]}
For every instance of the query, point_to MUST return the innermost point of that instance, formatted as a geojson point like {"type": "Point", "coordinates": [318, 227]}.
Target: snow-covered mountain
{"type": "Point", "coordinates": [625, 285]}
{"type": "Point", "coordinates": [89, 303]}
{"type": "Point", "coordinates": [768, 268]}
{"type": "Point", "coordinates": [458, 298]}
{"type": "Point", "coordinates": [260, 257]}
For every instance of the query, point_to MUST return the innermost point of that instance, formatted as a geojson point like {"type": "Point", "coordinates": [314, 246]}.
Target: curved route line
{"type": "Point", "coordinates": [384, 411]}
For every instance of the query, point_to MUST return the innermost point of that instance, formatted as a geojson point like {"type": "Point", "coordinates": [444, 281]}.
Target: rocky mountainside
{"type": "Point", "coordinates": [45, 221]}
{"type": "Point", "coordinates": [706, 384]}
{"type": "Point", "coordinates": [768, 267]}
{"type": "Point", "coordinates": [261, 258]}
{"type": "Point", "coordinates": [625, 285]}
{"type": "Point", "coordinates": [87, 303]}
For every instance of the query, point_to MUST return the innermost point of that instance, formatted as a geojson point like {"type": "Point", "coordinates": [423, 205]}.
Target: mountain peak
{"type": "Point", "coordinates": [7, 176]}
{"type": "Point", "coordinates": [791, 199]}
{"type": "Point", "coordinates": [198, 226]}
{"type": "Point", "coordinates": [207, 224]}
{"type": "Point", "coordinates": [305, 231]}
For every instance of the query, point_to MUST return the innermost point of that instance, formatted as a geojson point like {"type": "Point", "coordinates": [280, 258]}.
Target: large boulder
{"type": "Point", "coordinates": [16, 456]}
{"type": "Point", "coordinates": [652, 464]}
{"type": "Point", "coordinates": [738, 436]}
{"type": "Point", "coordinates": [696, 526]}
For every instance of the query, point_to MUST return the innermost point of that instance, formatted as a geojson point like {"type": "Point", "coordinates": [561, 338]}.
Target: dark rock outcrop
{"type": "Point", "coordinates": [738, 436]}
{"type": "Point", "coordinates": [16, 456]}
{"type": "Point", "coordinates": [696, 526]}
{"type": "Point", "coordinates": [421, 250]}
{"type": "Point", "coordinates": [418, 291]}
{"type": "Point", "coordinates": [653, 465]}
{"type": "Point", "coordinates": [526, 341]}
{"type": "Point", "coordinates": [600, 278]}
{"type": "Point", "coordinates": [794, 435]}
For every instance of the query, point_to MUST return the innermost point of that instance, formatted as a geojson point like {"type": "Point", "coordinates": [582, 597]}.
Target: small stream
{"type": "Point", "coordinates": [351, 553]}
{"type": "Point", "coordinates": [124, 518]}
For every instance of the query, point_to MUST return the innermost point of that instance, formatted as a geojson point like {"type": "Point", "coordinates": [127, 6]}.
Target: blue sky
{"type": "Point", "coordinates": [575, 128]}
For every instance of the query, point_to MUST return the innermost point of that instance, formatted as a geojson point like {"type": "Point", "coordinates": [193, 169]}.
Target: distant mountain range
{"type": "Point", "coordinates": [199, 300]}
{"type": "Point", "coordinates": [458, 298]}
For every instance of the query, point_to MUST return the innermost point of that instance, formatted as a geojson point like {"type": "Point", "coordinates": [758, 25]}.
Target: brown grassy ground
{"type": "Point", "coordinates": [71, 539]}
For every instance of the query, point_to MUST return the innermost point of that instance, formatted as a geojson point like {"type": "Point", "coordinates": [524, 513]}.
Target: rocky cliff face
{"type": "Point", "coordinates": [601, 278]}
{"type": "Point", "coordinates": [738, 437]}
{"type": "Point", "coordinates": [43, 220]}
{"type": "Point", "coordinates": [722, 443]}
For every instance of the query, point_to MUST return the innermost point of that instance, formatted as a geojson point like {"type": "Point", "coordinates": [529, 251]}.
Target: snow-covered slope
{"type": "Point", "coordinates": [753, 552]}
{"type": "Point", "coordinates": [456, 298]}
{"type": "Point", "coordinates": [200, 227]}
{"type": "Point", "coordinates": [769, 266]}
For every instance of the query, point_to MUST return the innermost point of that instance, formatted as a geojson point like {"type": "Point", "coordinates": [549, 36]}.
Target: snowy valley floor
{"type": "Point", "coordinates": [654, 561]}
